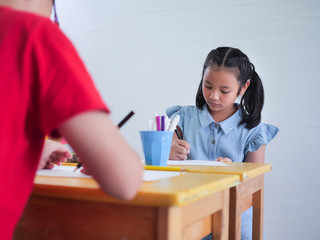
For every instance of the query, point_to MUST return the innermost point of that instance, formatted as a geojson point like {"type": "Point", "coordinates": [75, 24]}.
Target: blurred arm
{"type": "Point", "coordinates": [257, 156]}
{"type": "Point", "coordinates": [104, 152]}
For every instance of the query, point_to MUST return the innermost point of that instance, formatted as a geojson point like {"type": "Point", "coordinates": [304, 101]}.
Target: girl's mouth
{"type": "Point", "coordinates": [213, 105]}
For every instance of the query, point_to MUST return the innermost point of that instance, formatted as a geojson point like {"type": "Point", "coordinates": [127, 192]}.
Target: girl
{"type": "Point", "coordinates": [219, 129]}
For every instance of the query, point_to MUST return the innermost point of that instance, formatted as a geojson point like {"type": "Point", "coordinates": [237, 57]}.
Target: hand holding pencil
{"type": "Point", "coordinates": [182, 143]}
{"type": "Point", "coordinates": [53, 153]}
{"type": "Point", "coordinates": [180, 149]}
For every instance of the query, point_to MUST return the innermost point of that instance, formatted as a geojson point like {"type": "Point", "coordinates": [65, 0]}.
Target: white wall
{"type": "Point", "coordinates": [146, 55]}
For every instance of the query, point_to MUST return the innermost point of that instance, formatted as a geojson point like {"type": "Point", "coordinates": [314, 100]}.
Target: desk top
{"type": "Point", "coordinates": [244, 170]}
{"type": "Point", "coordinates": [174, 191]}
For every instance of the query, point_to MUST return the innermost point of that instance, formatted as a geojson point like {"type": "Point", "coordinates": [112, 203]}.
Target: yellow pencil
{"type": "Point", "coordinates": [68, 164]}
{"type": "Point", "coordinates": [159, 168]}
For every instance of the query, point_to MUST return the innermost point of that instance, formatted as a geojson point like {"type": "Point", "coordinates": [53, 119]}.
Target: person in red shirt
{"type": "Point", "coordinates": [46, 90]}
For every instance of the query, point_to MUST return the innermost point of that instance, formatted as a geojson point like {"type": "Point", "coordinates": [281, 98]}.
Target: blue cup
{"type": "Point", "coordinates": [156, 146]}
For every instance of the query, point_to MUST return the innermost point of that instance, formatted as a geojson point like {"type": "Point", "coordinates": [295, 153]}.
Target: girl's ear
{"type": "Point", "coordinates": [244, 87]}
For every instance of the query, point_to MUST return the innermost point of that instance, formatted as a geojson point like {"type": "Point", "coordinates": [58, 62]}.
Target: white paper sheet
{"type": "Point", "coordinates": [149, 176]}
{"type": "Point", "coordinates": [62, 171]}
{"type": "Point", "coordinates": [196, 162]}
{"type": "Point", "coordinates": [67, 171]}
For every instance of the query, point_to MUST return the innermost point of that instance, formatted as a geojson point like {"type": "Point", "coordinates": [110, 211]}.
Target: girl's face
{"type": "Point", "coordinates": [220, 89]}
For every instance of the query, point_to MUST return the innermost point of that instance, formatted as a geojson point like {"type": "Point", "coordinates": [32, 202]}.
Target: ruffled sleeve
{"type": "Point", "coordinates": [263, 135]}
{"type": "Point", "coordinates": [171, 111]}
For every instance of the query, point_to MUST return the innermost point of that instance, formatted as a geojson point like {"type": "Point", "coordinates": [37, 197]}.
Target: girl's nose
{"type": "Point", "coordinates": [214, 96]}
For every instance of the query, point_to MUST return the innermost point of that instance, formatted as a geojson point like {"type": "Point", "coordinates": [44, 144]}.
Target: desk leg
{"type": "Point", "coordinates": [258, 208]}
{"type": "Point", "coordinates": [220, 219]}
{"type": "Point", "coordinates": [235, 213]}
{"type": "Point", "coordinates": [169, 223]}
{"type": "Point", "coordinates": [247, 194]}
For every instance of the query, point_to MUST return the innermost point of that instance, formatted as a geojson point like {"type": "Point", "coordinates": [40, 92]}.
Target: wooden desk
{"type": "Point", "coordinates": [188, 206]}
{"type": "Point", "coordinates": [250, 193]}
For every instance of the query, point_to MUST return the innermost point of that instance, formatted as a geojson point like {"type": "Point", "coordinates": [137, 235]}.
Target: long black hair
{"type": "Point", "coordinates": [251, 103]}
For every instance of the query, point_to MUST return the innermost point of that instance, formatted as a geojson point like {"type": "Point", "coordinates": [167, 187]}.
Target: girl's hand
{"type": "Point", "coordinates": [224, 160]}
{"type": "Point", "coordinates": [179, 150]}
{"type": "Point", "coordinates": [53, 153]}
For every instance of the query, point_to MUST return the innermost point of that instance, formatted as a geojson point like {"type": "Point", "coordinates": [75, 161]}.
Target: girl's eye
{"type": "Point", "coordinates": [225, 92]}
{"type": "Point", "coordinates": [207, 87]}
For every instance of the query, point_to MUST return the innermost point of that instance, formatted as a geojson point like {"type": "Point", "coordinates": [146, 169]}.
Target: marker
{"type": "Point", "coordinates": [120, 124]}
{"type": "Point", "coordinates": [173, 123]}
{"type": "Point", "coordinates": [163, 123]}
{"type": "Point", "coordinates": [154, 122]}
{"type": "Point", "coordinates": [149, 124]}
{"type": "Point", "coordinates": [158, 123]}
{"type": "Point", "coordinates": [167, 123]}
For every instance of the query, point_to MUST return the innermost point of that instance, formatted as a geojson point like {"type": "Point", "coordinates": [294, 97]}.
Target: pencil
{"type": "Point", "coordinates": [68, 164]}
{"type": "Point", "coordinates": [147, 167]}
{"type": "Point", "coordinates": [120, 124]}
{"type": "Point", "coordinates": [177, 132]}
{"type": "Point", "coordinates": [77, 167]}
{"type": "Point", "coordinates": [130, 114]}
{"type": "Point", "coordinates": [179, 137]}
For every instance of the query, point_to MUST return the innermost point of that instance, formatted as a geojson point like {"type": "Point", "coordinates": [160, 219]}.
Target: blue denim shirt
{"type": "Point", "coordinates": [209, 139]}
